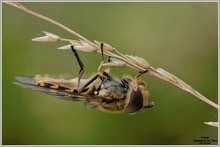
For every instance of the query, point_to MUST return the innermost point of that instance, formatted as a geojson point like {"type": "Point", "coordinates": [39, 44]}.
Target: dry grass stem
{"type": "Point", "coordinates": [214, 124]}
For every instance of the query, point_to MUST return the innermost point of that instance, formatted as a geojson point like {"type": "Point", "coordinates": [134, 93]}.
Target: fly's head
{"type": "Point", "coordinates": [137, 96]}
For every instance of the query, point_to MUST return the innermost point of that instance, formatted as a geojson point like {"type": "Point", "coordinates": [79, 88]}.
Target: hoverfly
{"type": "Point", "coordinates": [101, 90]}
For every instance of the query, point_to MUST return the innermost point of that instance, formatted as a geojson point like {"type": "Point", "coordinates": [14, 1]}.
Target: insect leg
{"type": "Point", "coordinates": [81, 71]}
{"type": "Point", "coordinates": [100, 66]}
{"type": "Point", "coordinates": [89, 82]}
{"type": "Point", "coordinates": [99, 69]}
{"type": "Point", "coordinates": [100, 72]}
{"type": "Point", "coordinates": [138, 77]}
{"type": "Point", "coordinates": [109, 58]}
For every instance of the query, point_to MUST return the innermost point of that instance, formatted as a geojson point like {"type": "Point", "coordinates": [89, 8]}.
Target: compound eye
{"type": "Point", "coordinates": [135, 102]}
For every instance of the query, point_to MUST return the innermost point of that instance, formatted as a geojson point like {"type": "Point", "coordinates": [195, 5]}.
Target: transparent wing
{"type": "Point", "coordinates": [28, 82]}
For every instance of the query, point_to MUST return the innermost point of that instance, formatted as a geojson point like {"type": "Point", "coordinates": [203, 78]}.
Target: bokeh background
{"type": "Point", "coordinates": [180, 37]}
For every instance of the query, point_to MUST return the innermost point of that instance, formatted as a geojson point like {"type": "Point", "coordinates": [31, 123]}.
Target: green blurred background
{"type": "Point", "coordinates": [179, 37]}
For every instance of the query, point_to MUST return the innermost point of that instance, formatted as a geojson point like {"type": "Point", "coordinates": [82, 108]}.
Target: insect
{"type": "Point", "coordinates": [101, 90]}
